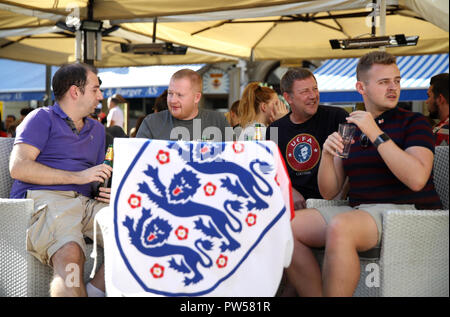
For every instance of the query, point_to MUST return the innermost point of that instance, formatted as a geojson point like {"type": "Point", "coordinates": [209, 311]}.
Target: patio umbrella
{"type": "Point", "coordinates": [214, 31]}
{"type": "Point", "coordinates": [45, 31]}
{"type": "Point", "coordinates": [303, 30]}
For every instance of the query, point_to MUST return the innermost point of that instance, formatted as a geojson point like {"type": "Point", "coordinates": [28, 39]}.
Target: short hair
{"type": "Point", "coordinates": [193, 76]}
{"type": "Point", "coordinates": [117, 99]}
{"type": "Point", "coordinates": [253, 95]}
{"type": "Point", "coordinates": [366, 62]}
{"type": "Point", "coordinates": [11, 116]}
{"type": "Point", "coordinates": [161, 102]}
{"type": "Point", "coordinates": [25, 111]}
{"type": "Point", "coordinates": [439, 85]}
{"type": "Point", "coordinates": [293, 74]}
{"type": "Point", "coordinates": [68, 75]}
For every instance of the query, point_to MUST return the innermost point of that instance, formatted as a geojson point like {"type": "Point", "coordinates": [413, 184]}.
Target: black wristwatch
{"type": "Point", "coordinates": [381, 139]}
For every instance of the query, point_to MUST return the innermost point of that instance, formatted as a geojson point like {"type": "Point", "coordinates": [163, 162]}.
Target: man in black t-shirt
{"type": "Point", "coordinates": [302, 132]}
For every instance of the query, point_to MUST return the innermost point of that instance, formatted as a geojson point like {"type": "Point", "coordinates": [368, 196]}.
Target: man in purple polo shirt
{"type": "Point", "coordinates": [56, 161]}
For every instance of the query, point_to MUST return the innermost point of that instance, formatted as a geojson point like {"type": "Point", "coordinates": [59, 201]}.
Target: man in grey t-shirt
{"type": "Point", "coordinates": [184, 120]}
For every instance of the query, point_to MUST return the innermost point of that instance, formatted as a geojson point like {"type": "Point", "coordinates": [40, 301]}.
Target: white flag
{"type": "Point", "coordinates": [197, 219]}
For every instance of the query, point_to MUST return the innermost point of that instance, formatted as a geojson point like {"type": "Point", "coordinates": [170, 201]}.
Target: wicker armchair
{"type": "Point", "coordinates": [414, 255]}
{"type": "Point", "coordinates": [20, 273]}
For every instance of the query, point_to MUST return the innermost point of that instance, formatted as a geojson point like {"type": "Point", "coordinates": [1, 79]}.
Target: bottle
{"type": "Point", "coordinates": [108, 161]}
{"type": "Point", "coordinates": [258, 132]}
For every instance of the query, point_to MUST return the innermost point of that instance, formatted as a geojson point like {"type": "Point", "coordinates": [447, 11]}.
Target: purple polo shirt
{"type": "Point", "coordinates": [60, 147]}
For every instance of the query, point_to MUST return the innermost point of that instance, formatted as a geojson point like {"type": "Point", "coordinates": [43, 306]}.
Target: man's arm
{"type": "Point", "coordinates": [23, 167]}
{"type": "Point", "coordinates": [331, 174]}
{"type": "Point", "coordinates": [411, 166]}
{"type": "Point", "coordinates": [299, 200]}
{"type": "Point", "coordinates": [110, 123]}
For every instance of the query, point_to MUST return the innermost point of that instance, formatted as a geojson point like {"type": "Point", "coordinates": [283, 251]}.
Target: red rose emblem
{"type": "Point", "coordinates": [238, 147]}
{"type": "Point", "coordinates": [157, 271]}
{"type": "Point", "coordinates": [251, 219]}
{"type": "Point", "coordinates": [182, 233]}
{"type": "Point", "coordinates": [222, 261]}
{"type": "Point", "coordinates": [210, 189]}
{"type": "Point", "coordinates": [134, 201]}
{"type": "Point", "coordinates": [163, 157]}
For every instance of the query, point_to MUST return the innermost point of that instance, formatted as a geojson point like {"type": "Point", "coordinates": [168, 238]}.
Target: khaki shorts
{"type": "Point", "coordinates": [375, 210]}
{"type": "Point", "coordinates": [60, 217]}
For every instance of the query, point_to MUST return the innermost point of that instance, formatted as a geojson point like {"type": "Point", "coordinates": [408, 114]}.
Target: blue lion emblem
{"type": "Point", "coordinates": [247, 187]}
{"type": "Point", "coordinates": [183, 185]}
{"type": "Point", "coordinates": [180, 186]}
{"type": "Point", "coordinates": [156, 233]}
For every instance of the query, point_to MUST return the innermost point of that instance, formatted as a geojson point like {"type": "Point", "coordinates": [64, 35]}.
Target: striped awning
{"type": "Point", "coordinates": [26, 81]}
{"type": "Point", "coordinates": [337, 77]}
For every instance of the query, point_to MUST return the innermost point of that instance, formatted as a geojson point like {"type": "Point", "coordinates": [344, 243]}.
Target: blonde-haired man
{"type": "Point", "coordinates": [389, 143]}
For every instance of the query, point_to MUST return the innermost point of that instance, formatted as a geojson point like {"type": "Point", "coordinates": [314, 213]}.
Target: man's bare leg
{"type": "Point", "coordinates": [99, 279]}
{"type": "Point", "coordinates": [309, 230]}
{"type": "Point", "coordinates": [68, 266]}
{"type": "Point", "coordinates": [347, 234]}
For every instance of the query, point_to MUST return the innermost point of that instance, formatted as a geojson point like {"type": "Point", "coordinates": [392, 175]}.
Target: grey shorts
{"type": "Point", "coordinates": [60, 217]}
{"type": "Point", "coordinates": [375, 210]}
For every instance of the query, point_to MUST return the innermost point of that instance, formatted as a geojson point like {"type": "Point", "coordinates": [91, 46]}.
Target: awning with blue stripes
{"type": "Point", "coordinates": [23, 81]}
{"type": "Point", "coordinates": [336, 78]}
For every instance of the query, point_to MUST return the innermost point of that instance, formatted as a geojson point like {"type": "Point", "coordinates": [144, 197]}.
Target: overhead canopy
{"type": "Point", "coordinates": [126, 9]}
{"type": "Point", "coordinates": [248, 29]}
{"type": "Point", "coordinates": [300, 30]}
{"type": "Point", "coordinates": [41, 32]}
{"type": "Point", "coordinates": [336, 78]}
{"type": "Point", "coordinates": [130, 82]}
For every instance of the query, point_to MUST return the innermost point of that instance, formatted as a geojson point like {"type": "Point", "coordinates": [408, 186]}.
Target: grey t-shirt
{"type": "Point", "coordinates": [207, 125]}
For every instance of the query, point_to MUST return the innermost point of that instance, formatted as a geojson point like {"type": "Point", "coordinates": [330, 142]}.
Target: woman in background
{"type": "Point", "coordinates": [258, 107]}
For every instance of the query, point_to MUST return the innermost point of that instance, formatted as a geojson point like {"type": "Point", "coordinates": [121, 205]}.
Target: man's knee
{"type": "Point", "coordinates": [339, 229]}
{"type": "Point", "coordinates": [309, 227]}
{"type": "Point", "coordinates": [71, 252]}
{"type": "Point", "coordinates": [354, 228]}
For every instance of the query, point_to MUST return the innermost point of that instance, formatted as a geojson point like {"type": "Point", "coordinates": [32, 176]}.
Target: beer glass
{"type": "Point", "coordinates": [346, 131]}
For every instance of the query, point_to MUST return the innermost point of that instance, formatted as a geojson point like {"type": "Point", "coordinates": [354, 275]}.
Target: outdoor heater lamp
{"type": "Point", "coordinates": [154, 49]}
{"type": "Point", "coordinates": [375, 42]}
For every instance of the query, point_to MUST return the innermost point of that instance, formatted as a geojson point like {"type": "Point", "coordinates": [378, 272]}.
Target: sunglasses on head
{"type": "Point", "coordinates": [364, 141]}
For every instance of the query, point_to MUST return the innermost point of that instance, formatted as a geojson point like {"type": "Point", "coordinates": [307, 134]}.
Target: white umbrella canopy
{"type": "Point", "coordinates": [304, 29]}
{"type": "Point", "coordinates": [135, 9]}
{"type": "Point", "coordinates": [29, 31]}
{"type": "Point", "coordinates": [58, 49]}
{"type": "Point", "coordinates": [214, 31]}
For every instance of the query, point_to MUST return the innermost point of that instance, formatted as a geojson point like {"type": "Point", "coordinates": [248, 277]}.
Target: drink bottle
{"type": "Point", "coordinates": [258, 133]}
{"type": "Point", "coordinates": [109, 161]}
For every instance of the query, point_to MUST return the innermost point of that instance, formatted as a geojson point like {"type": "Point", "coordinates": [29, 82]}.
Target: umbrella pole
{"type": "Point", "coordinates": [48, 91]}
{"type": "Point", "coordinates": [382, 21]}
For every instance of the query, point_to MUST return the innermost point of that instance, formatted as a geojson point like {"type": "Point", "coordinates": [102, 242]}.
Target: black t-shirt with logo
{"type": "Point", "coordinates": [301, 145]}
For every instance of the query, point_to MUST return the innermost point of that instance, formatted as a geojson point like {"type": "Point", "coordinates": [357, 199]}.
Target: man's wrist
{"type": "Point", "coordinates": [380, 139]}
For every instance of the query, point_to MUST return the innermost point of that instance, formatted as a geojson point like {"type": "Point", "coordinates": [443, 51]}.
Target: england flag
{"type": "Point", "coordinates": [197, 219]}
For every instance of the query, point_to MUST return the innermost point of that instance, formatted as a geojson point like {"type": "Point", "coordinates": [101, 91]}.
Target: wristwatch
{"type": "Point", "coordinates": [381, 139]}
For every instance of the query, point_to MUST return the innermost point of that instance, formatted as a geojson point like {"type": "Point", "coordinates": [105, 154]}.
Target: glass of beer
{"type": "Point", "coordinates": [346, 131]}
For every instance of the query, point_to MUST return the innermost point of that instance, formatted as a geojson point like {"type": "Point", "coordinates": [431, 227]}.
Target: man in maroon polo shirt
{"type": "Point", "coordinates": [57, 160]}
{"type": "Point", "coordinates": [389, 143]}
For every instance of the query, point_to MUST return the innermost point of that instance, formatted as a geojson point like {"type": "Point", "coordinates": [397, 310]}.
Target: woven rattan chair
{"type": "Point", "coordinates": [20, 273]}
{"type": "Point", "coordinates": [414, 255]}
